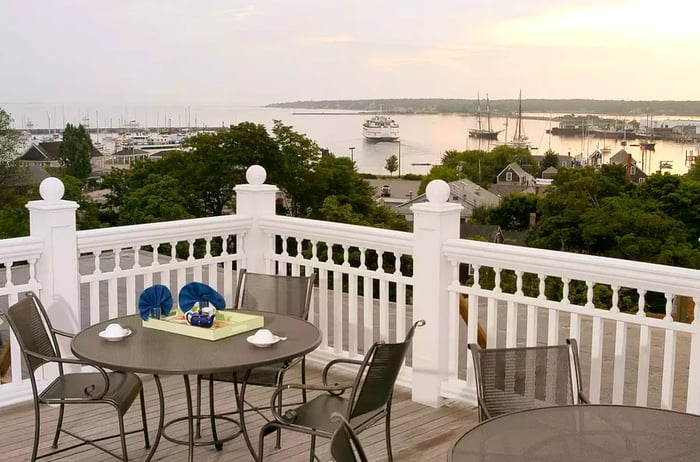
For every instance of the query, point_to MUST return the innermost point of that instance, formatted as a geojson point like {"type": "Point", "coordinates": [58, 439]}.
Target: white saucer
{"type": "Point", "coordinates": [257, 343]}
{"type": "Point", "coordinates": [104, 335]}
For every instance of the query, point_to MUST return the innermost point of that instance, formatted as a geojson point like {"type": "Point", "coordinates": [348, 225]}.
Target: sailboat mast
{"type": "Point", "coordinates": [478, 110]}
{"type": "Point", "coordinates": [488, 113]}
{"type": "Point", "coordinates": [519, 125]}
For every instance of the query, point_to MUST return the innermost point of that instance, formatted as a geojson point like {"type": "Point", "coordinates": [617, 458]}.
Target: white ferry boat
{"type": "Point", "coordinates": [380, 128]}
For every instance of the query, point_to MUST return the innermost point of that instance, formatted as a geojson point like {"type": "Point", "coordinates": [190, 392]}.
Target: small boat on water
{"type": "Point", "coordinates": [480, 132]}
{"type": "Point", "coordinates": [380, 128]}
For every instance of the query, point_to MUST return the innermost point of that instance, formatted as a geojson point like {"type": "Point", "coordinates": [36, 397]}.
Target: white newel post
{"type": "Point", "coordinates": [255, 200]}
{"type": "Point", "coordinates": [433, 222]}
{"type": "Point", "coordinates": [53, 221]}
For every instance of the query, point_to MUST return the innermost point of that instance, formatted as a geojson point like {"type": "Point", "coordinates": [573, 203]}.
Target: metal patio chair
{"type": "Point", "coordinates": [290, 295]}
{"type": "Point", "coordinates": [37, 340]}
{"type": "Point", "coordinates": [345, 445]}
{"type": "Point", "coordinates": [368, 401]}
{"type": "Point", "coordinates": [513, 379]}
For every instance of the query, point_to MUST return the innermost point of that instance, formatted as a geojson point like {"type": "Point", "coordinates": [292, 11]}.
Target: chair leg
{"type": "Point", "coordinates": [261, 442]}
{"type": "Point", "coordinates": [144, 420]}
{"type": "Point", "coordinates": [390, 456]}
{"type": "Point", "coordinates": [312, 453]}
{"type": "Point", "coordinates": [37, 423]}
{"type": "Point", "coordinates": [303, 378]}
{"type": "Point", "coordinates": [59, 424]}
{"type": "Point", "coordinates": [122, 437]}
{"type": "Point", "coordinates": [199, 406]}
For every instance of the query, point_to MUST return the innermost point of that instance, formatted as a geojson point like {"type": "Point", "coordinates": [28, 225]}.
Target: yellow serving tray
{"type": "Point", "coordinates": [226, 324]}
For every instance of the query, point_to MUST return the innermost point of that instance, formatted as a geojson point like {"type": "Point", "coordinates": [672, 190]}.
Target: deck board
{"type": "Point", "coordinates": [419, 433]}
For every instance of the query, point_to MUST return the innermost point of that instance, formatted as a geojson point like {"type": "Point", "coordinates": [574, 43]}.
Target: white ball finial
{"type": "Point", "coordinates": [437, 191]}
{"type": "Point", "coordinates": [51, 189]}
{"type": "Point", "coordinates": [255, 174]}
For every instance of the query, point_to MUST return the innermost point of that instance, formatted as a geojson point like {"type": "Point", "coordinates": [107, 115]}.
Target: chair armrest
{"type": "Point", "coordinates": [276, 397]}
{"type": "Point", "coordinates": [484, 410]}
{"type": "Point", "coordinates": [64, 334]}
{"type": "Point", "coordinates": [279, 379]}
{"type": "Point", "coordinates": [60, 360]}
{"type": "Point", "coordinates": [324, 373]}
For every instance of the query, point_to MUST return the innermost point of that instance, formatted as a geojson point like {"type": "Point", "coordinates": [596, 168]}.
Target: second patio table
{"type": "Point", "coordinates": [583, 433]}
{"type": "Point", "coordinates": [150, 351]}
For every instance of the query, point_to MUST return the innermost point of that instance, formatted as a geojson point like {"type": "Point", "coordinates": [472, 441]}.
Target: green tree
{"type": "Point", "coordinates": [392, 164]}
{"type": "Point", "coordinates": [294, 171]}
{"type": "Point", "coordinates": [550, 160]}
{"type": "Point", "coordinates": [87, 215]}
{"type": "Point", "coordinates": [158, 200]}
{"type": "Point", "coordinates": [573, 192]}
{"type": "Point", "coordinates": [14, 216]}
{"type": "Point", "coordinates": [512, 213]}
{"type": "Point", "coordinates": [75, 151]}
{"type": "Point", "coordinates": [10, 141]}
{"type": "Point", "coordinates": [218, 163]}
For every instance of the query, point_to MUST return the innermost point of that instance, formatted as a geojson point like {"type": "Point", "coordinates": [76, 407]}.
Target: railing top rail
{"type": "Point", "coordinates": [20, 248]}
{"type": "Point", "coordinates": [613, 271]}
{"type": "Point", "coordinates": [167, 231]}
{"type": "Point", "coordinates": [340, 233]}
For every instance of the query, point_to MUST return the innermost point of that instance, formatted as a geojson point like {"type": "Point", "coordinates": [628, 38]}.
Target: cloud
{"type": "Point", "coordinates": [327, 39]}
{"type": "Point", "coordinates": [627, 24]}
{"type": "Point", "coordinates": [435, 56]}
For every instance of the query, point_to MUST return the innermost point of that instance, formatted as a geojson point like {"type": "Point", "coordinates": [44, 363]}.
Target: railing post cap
{"type": "Point", "coordinates": [51, 189]}
{"type": "Point", "coordinates": [437, 191]}
{"type": "Point", "coordinates": [255, 174]}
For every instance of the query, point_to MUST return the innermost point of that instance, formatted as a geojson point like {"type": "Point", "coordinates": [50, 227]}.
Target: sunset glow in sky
{"type": "Point", "coordinates": [265, 51]}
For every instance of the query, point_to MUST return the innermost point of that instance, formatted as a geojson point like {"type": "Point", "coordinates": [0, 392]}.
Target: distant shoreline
{"type": "Point", "coordinates": [502, 108]}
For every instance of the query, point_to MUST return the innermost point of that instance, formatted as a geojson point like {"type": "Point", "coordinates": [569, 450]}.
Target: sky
{"type": "Point", "coordinates": [226, 52]}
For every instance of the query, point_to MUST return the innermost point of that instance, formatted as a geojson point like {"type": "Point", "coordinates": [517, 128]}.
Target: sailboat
{"type": "Point", "coordinates": [483, 133]}
{"type": "Point", "coordinates": [520, 140]}
{"type": "Point", "coordinates": [649, 144]}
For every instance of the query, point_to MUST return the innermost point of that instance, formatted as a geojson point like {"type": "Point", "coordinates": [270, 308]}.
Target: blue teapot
{"type": "Point", "coordinates": [204, 317]}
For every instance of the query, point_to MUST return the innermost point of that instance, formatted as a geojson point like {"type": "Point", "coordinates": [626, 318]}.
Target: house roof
{"type": "Point", "coordinates": [503, 189]}
{"type": "Point", "coordinates": [620, 157]}
{"type": "Point", "coordinates": [131, 152]}
{"type": "Point", "coordinates": [492, 233]}
{"type": "Point", "coordinates": [464, 192]}
{"type": "Point", "coordinates": [29, 175]}
{"type": "Point", "coordinates": [48, 151]}
{"type": "Point", "coordinates": [398, 188]}
{"type": "Point", "coordinates": [551, 170]}
{"type": "Point", "coordinates": [517, 169]}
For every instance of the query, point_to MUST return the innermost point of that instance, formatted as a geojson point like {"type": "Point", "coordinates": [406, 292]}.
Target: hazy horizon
{"type": "Point", "coordinates": [228, 52]}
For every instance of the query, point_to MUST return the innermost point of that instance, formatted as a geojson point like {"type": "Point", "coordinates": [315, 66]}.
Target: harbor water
{"type": "Point", "coordinates": [424, 137]}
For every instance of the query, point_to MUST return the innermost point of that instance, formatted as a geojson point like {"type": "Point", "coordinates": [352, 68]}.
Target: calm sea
{"type": "Point", "coordinates": [424, 138]}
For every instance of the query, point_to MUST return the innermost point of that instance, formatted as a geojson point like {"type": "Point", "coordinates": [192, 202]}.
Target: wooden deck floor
{"type": "Point", "coordinates": [419, 433]}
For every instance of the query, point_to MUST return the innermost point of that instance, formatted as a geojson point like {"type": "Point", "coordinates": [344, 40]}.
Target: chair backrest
{"type": "Point", "coordinates": [345, 445]}
{"type": "Point", "coordinates": [290, 295]}
{"type": "Point", "coordinates": [33, 330]}
{"type": "Point", "coordinates": [374, 383]}
{"type": "Point", "coordinates": [512, 379]}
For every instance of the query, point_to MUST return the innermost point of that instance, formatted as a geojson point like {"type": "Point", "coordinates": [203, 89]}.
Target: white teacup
{"type": "Point", "coordinates": [114, 330]}
{"type": "Point", "coordinates": [264, 336]}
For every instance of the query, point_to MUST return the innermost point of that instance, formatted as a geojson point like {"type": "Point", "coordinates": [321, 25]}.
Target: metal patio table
{"type": "Point", "coordinates": [582, 433]}
{"type": "Point", "coordinates": [151, 351]}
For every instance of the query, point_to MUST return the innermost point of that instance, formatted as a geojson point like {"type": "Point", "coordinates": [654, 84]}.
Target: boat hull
{"type": "Point", "coordinates": [483, 134]}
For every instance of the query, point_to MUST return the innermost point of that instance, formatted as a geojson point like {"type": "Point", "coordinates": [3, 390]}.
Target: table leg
{"type": "Point", "coordinates": [190, 419]}
{"type": "Point", "coordinates": [219, 446]}
{"type": "Point", "coordinates": [161, 418]}
{"type": "Point", "coordinates": [241, 413]}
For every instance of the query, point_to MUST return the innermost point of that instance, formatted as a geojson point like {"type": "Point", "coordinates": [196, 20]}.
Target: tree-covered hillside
{"type": "Point", "coordinates": [505, 106]}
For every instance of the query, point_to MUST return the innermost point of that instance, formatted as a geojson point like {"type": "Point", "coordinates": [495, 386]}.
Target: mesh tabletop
{"type": "Point", "coordinates": [151, 351]}
{"type": "Point", "coordinates": [583, 433]}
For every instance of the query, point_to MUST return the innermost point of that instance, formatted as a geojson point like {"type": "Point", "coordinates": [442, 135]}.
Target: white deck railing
{"type": "Point", "coordinates": [372, 283]}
